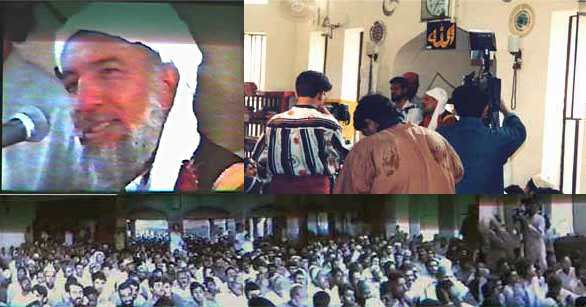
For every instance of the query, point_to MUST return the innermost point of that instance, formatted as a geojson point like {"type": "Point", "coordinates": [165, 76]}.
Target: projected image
{"type": "Point", "coordinates": [237, 250]}
{"type": "Point", "coordinates": [534, 245]}
{"type": "Point", "coordinates": [109, 103]}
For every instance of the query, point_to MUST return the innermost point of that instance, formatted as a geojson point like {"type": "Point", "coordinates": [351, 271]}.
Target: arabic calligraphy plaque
{"type": "Point", "coordinates": [441, 35]}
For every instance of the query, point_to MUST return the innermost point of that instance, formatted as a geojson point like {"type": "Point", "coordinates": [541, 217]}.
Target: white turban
{"type": "Point", "coordinates": [541, 181]}
{"type": "Point", "coordinates": [442, 97]}
{"type": "Point", "coordinates": [157, 26]}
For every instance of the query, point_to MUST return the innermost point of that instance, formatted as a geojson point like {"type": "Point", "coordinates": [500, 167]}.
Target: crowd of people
{"type": "Point", "coordinates": [340, 271]}
{"type": "Point", "coordinates": [524, 267]}
{"type": "Point", "coordinates": [411, 144]}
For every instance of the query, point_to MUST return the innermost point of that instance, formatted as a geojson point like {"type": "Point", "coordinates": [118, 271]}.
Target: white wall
{"type": "Point", "coordinates": [404, 25]}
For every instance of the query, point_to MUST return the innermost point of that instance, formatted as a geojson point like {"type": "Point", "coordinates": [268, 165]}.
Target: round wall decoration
{"type": "Point", "coordinates": [378, 31]}
{"type": "Point", "coordinates": [521, 20]}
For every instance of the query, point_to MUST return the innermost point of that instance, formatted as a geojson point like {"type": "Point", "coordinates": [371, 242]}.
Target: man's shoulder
{"type": "Point", "coordinates": [297, 117]}
{"type": "Point", "coordinates": [211, 160]}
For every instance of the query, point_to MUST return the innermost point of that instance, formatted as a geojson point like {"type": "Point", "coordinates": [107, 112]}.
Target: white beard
{"type": "Point", "coordinates": [115, 167]}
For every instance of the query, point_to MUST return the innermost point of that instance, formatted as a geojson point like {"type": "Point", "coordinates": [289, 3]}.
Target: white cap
{"type": "Point", "coordinates": [441, 96]}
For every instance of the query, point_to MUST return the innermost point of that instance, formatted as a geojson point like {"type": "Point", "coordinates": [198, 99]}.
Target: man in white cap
{"type": "Point", "coordinates": [434, 108]}
{"type": "Point", "coordinates": [133, 82]}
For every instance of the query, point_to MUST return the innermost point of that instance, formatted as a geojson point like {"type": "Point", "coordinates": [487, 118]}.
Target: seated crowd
{"type": "Point", "coordinates": [341, 271]}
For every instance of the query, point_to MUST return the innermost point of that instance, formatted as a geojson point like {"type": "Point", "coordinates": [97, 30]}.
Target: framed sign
{"type": "Point", "coordinates": [441, 35]}
{"type": "Point", "coordinates": [435, 9]}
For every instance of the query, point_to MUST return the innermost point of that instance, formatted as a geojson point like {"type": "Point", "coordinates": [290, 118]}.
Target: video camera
{"type": "Point", "coordinates": [339, 111]}
{"type": "Point", "coordinates": [481, 44]}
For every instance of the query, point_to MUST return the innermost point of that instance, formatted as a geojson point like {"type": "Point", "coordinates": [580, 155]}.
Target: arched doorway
{"type": "Point", "coordinates": [208, 222]}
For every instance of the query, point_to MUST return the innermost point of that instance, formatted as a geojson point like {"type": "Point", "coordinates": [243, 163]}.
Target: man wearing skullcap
{"type": "Point", "coordinates": [412, 87]}
{"type": "Point", "coordinates": [539, 184]}
{"type": "Point", "coordinates": [434, 108]}
{"type": "Point", "coordinates": [396, 157]}
{"type": "Point", "coordinates": [133, 82]}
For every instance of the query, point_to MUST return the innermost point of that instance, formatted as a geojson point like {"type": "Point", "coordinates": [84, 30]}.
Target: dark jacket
{"type": "Point", "coordinates": [484, 151]}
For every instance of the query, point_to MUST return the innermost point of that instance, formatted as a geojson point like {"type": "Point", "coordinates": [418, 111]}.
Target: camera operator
{"type": "Point", "coordinates": [532, 226]}
{"type": "Point", "coordinates": [483, 150]}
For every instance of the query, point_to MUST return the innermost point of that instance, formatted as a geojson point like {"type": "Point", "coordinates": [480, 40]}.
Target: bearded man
{"type": "Point", "coordinates": [133, 83]}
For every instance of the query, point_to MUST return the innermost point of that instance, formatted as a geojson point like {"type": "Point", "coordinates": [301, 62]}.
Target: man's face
{"type": "Point", "coordinates": [117, 103]}
{"type": "Point", "coordinates": [49, 279]}
{"type": "Point", "coordinates": [212, 287]}
{"type": "Point", "coordinates": [25, 284]}
{"type": "Point", "coordinates": [432, 267]}
{"type": "Point", "coordinates": [20, 274]}
{"type": "Point", "coordinates": [41, 278]}
{"type": "Point", "coordinates": [167, 289]}
{"type": "Point", "coordinates": [192, 269]}
{"type": "Point", "coordinates": [299, 279]}
{"type": "Point", "coordinates": [198, 295]}
{"type": "Point", "coordinates": [183, 279]}
{"type": "Point", "coordinates": [99, 285]}
{"type": "Point", "coordinates": [69, 271]}
{"type": "Point", "coordinates": [126, 297]}
{"type": "Point", "coordinates": [398, 288]}
{"type": "Point", "coordinates": [428, 103]}
{"type": "Point", "coordinates": [158, 289]}
{"type": "Point", "coordinates": [397, 92]}
{"type": "Point", "coordinates": [231, 275]}
{"type": "Point", "coordinates": [250, 170]}
{"type": "Point", "coordinates": [39, 297]}
{"type": "Point", "coordinates": [566, 264]}
{"type": "Point", "coordinates": [409, 279]}
{"type": "Point", "coordinates": [348, 297]}
{"type": "Point", "coordinates": [76, 294]}
{"type": "Point", "coordinates": [92, 300]}
{"type": "Point", "coordinates": [79, 269]}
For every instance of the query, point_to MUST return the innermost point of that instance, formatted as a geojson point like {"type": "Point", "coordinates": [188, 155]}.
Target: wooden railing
{"type": "Point", "coordinates": [259, 109]}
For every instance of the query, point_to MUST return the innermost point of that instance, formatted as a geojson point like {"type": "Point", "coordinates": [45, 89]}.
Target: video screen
{"type": "Point", "coordinates": [122, 97]}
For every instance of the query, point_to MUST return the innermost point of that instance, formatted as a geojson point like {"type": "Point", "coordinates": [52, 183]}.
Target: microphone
{"type": "Point", "coordinates": [28, 124]}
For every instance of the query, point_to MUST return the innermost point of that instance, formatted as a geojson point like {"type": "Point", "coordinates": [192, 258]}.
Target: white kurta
{"type": "Point", "coordinates": [534, 238]}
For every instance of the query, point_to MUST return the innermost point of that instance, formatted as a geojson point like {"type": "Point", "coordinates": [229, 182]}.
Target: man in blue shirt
{"type": "Point", "coordinates": [483, 150]}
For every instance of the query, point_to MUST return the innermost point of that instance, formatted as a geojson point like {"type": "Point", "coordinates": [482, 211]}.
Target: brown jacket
{"type": "Point", "coordinates": [403, 159]}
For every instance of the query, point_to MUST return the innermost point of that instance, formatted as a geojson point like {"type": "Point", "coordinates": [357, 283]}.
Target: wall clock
{"type": "Point", "coordinates": [389, 7]}
{"type": "Point", "coordinates": [435, 9]}
{"type": "Point", "coordinates": [521, 20]}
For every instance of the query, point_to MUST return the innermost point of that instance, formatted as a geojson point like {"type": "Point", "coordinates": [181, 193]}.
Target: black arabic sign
{"type": "Point", "coordinates": [441, 35]}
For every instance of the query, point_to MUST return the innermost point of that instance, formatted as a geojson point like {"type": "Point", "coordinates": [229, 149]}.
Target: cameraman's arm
{"type": "Point", "coordinates": [513, 131]}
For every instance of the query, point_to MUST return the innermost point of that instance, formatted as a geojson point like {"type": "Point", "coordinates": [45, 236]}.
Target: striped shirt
{"type": "Point", "coordinates": [301, 142]}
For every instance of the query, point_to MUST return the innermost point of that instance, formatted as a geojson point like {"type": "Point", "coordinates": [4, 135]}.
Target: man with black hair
{"type": "Point", "coordinates": [304, 147]}
{"type": "Point", "coordinates": [321, 299]}
{"type": "Point", "coordinates": [483, 151]}
{"type": "Point", "coordinates": [91, 295]}
{"type": "Point", "coordinates": [251, 289]}
{"type": "Point", "coordinates": [25, 295]}
{"type": "Point", "coordinates": [125, 294]}
{"type": "Point", "coordinates": [396, 157]}
{"type": "Point", "coordinates": [402, 96]}
{"type": "Point", "coordinates": [198, 297]}
{"type": "Point", "coordinates": [74, 293]}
